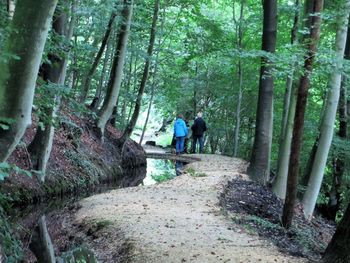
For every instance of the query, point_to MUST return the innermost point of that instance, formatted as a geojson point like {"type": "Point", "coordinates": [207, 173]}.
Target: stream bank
{"type": "Point", "coordinates": [78, 161]}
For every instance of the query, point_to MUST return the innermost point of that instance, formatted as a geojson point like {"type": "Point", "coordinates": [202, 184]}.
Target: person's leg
{"type": "Point", "coordinates": [178, 145]}
{"type": "Point", "coordinates": [201, 144]}
{"type": "Point", "coordinates": [194, 142]}
{"type": "Point", "coordinates": [182, 144]}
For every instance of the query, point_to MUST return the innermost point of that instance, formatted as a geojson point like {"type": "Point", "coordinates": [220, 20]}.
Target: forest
{"type": "Point", "coordinates": [269, 76]}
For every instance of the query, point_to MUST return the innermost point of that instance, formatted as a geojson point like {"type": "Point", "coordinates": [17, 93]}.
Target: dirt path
{"type": "Point", "coordinates": [180, 220]}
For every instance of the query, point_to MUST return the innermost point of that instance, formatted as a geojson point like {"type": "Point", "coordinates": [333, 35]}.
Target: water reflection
{"type": "Point", "coordinates": [160, 170]}
{"type": "Point", "coordinates": [42, 247]}
{"type": "Point", "coordinates": [41, 244]}
{"type": "Point", "coordinates": [179, 167]}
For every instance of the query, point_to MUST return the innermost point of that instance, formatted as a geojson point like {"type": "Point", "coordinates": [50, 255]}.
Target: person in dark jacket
{"type": "Point", "coordinates": [198, 128]}
{"type": "Point", "coordinates": [180, 132]}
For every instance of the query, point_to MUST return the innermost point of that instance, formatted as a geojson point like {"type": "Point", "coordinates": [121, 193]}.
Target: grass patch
{"type": "Point", "coordinates": [162, 177]}
{"type": "Point", "coordinates": [12, 247]}
{"type": "Point", "coordinates": [193, 173]}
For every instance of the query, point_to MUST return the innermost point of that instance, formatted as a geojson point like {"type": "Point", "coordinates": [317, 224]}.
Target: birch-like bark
{"type": "Point", "coordinates": [280, 185]}
{"type": "Point", "coordinates": [30, 25]}
{"type": "Point", "coordinates": [327, 124]}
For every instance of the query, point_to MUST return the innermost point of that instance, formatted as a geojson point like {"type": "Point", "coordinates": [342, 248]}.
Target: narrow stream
{"type": "Point", "coordinates": [34, 223]}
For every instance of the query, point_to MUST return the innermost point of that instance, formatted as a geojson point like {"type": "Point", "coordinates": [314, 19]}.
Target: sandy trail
{"type": "Point", "coordinates": [180, 220]}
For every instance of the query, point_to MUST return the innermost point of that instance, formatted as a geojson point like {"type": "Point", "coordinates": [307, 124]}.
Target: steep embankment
{"type": "Point", "coordinates": [177, 221]}
{"type": "Point", "coordinates": [78, 160]}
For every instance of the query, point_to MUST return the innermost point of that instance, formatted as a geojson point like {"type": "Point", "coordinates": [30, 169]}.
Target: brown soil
{"type": "Point", "coordinates": [180, 220]}
{"type": "Point", "coordinates": [77, 161]}
{"type": "Point", "coordinates": [256, 208]}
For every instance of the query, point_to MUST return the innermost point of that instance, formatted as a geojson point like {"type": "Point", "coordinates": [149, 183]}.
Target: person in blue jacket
{"type": "Point", "coordinates": [180, 133]}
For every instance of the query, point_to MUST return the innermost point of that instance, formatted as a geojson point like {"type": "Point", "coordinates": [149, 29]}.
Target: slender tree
{"type": "Point", "coordinates": [328, 120]}
{"type": "Point", "coordinates": [315, 7]}
{"type": "Point", "coordinates": [333, 205]}
{"type": "Point", "coordinates": [131, 125]}
{"type": "Point", "coordinates": [239, 33]}
{"type": "Point", "coordinates": [87, 78]}
{"type": "Point", "coordinates": [99, 90]}
{"type": "Point", "coordinates": [280, 185]}
{"type": "Point", "coordinates": [117, 68]}
{"type": "Point", "coordinates": [30, 25]}
{"type": "Point", "coordinates": [154, 77]}
{"type": "Point", "coordinates": [259, 168]}
{"type": "Point", "coordinates": [149, 105]}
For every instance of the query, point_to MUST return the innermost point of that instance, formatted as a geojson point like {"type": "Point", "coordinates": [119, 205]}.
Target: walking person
{"type": "Point", "coordinates": [180, 132]}
{"type": "Point", "coordinates": [198, 128]}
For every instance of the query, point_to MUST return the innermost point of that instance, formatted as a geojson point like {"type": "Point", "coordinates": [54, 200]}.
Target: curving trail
{"type": "Point", "coordinates": [180, 220]}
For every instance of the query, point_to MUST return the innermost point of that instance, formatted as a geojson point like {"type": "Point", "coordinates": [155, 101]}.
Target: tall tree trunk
{"type": "Point", "coordinates": [69, 34]}
{"type": "Point", "coordinates": [131, 125]}
{"type": "Point", "coordinates": [279, 187]}
{"type": "Point", "coordinates": [333, 205]}
{"type": "Point", "coordinates": [149, 109]}
{"type": "Point", "coordinates": [259, 168]}
{"type": "Point", "coordinates": [339, 161]}
{"type": "Point", "coordinates": [154, 83]}
{"type": "Point", "coordinates": [41, 244]}
{"type": "Point", "coordinates": [41, 146]}
{"type": "Point", "coordinates": [87, 78]}
{"type": "Point", "coordinates": [240, 77]}
{"type": "Point", "coordinates": [30, 26]}
{"type": "Point", "coordinates": [11, 8]}
{"type": "Point", "coordinates": [327, 124]}
{"type": "Point", "coordinates": [316, 7]}
{"type": "Point", "coordinates": [98, 94]}
{"type": "Point", "coordinates": [128, 86]}
{"type": "Point", "coordinates": [117, 68]}
{"type": "Point", "coordinates": [307, 171]}
{"type": "Point", "coordinates": [339, 247]}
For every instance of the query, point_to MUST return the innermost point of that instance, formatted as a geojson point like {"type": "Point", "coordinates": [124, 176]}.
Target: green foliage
{"type": "Point", "coordinates": [5, 123]}
{"type": "Point", "coordinates": [164, 139]}
{"type": "Point", "coordinates": [11, 246]}
{"type": "Point", "coordinates": [6, 169]}
{"type": "Point", "coordinates": [161, 170]}
{"type": "Point", "coordinates": [165, 176]}
{"type": "Point", "coordinates": [79, 255]}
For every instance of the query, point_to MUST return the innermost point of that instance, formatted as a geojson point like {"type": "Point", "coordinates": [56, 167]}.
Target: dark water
{"type": "Point", "coordinates": [35, 223]}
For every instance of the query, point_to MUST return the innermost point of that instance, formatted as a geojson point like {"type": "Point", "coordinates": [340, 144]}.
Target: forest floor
{"type": "Point", "coordinates": [181, 220]}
